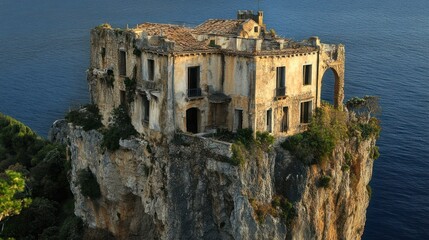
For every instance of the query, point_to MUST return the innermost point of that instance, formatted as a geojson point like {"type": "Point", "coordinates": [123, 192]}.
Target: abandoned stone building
{"type": "Point", "coordinates": [228, 74]}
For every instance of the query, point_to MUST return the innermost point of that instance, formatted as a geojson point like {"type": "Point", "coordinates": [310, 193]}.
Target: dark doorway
{"type": "Point", "coordinates": [328, 86]}
{"type": "Point", "coordinates": [192, 120]}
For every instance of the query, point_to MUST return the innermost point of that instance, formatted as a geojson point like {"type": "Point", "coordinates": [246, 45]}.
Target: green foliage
{"type": "Point", "coordinates": [370, 129]}
{"type": "Point", "coordinates": [119, 128]}
{"type": "Point", "coordinates": [238, 154]}
{"type": "Point", "coordinates": [365, 107]}
{"type": "Point", "coordinates": [41, 214]}
{"type": "Point", "coordinates": [88, 184]}
{"type": "Point", "coordinates": [11, 184]}
{"type": "Point", "coordinates": [375, 153]}
{"type": "Point", "coordinates": [264, 140]}
{"type": "Point", "coordinates": [326, 129]}
{"type": "Point", "coordinates": [130, 89]}
{"type": "Point", "coordinates": [18, 143]}
{"type": "Point", "coordinates": [104, 25]}
{"type": "Point", "coordinates": [245, 137]}
{"type": "Point", "coordinates": [71, 229]}
{"type": "Point", "coordinates": [44, 167]}
{"type": "Point", "coordinates": [285, 207]}
{"type": "Point", "coordinates": [324, 181]}
{"type": "Point", "coordinates": [88, 117]}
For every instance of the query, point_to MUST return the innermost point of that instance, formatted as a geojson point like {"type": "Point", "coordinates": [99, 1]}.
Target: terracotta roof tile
{"type": "Point", "coordinates": [182, 36]}
{"type": "Point", "coordinates": [221, 26]}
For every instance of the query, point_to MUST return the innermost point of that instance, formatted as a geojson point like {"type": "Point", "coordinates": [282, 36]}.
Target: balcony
{"type": "Point", "coordinates": [194, 92]}
{"type": "Point", "coordinates": [280, 91]}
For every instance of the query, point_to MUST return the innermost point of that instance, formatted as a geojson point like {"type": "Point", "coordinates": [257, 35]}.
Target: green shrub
{"type": "Point", "coordinates": [370, 129]}
{"type": "Point", "coordinates": [244, 136]}
{"type": "Point", "coordinates": [264, 140]}
{"type": "Point", "coordinates": [326, 129]}
{"type": "Point", "coordinates": [71, 229]}
{"type": "Point", "coordinates": [120, 128]}
{"type": "Point", "coordinates": [88, 117]}
{"type": "Point", "coordinates": [324, 181]}
{"type": "Point", "coordinates": [285, 207]}
{"type": "Point", "coordinates": [375, 153]}
{"type": "Point", "coordinates": [88, 184]}
{"type": "Point", "coordinates": [130, 89]}
{"type": "Point", "coordinates": [238, 154]}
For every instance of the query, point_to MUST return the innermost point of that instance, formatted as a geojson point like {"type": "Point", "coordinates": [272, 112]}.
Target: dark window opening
{"type": "Point", "coordinates": [269, 120]}
{"type": "Point", "coordinates": [146, 108]}
{"type": "Point", "coordinates": [307, 74]}
{"type": "Point", "coordinates": [122, 97]}
{"type": "Point", "coordinates": [122, 63]}
{"type": "Point", "coordinates": [256, 29]}
{"type": "Point", "coordinates": [238, 120]}
{"type": "Point", "coordinates": [194, 89]}
{"type": "Point", "coordinates": [306, 110]}
{"type": "Point", "coordinates": [192, 120]}
{"type": "Point", "coordinates": [150, 69]}
{"type": "Point", "coordinates": [103, 57]}
{"type": "Point", "coordinates": [281, 81]}
{"type": "Point", "coordinates": [285, 118]}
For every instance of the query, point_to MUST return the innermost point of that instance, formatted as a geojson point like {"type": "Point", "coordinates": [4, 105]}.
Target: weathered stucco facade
{"type": "Point", "coordinates": [227, 74]}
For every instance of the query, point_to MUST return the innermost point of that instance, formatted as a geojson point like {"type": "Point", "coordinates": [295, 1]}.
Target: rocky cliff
{"type": "Point", "coordinates": [188, 189]}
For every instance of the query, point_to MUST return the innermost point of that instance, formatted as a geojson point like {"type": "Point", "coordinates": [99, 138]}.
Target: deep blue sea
{"type": "Point", "coordinates": [44, 52]}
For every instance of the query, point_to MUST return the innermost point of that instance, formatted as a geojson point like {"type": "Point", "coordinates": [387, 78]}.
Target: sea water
{"type": "Point", "coordinates": [44, 52]}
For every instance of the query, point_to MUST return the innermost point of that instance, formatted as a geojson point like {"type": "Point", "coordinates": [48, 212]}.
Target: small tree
{"type": "Point", "coordinates": [366, 107]}
{"type": "Point", "coordinates": [11, 184]}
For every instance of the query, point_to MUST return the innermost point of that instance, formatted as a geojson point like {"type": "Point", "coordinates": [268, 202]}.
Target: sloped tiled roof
{"type": "Point", "coordinates": [221, 26]}
{"type": "Point", "coordinates": [182, 36]}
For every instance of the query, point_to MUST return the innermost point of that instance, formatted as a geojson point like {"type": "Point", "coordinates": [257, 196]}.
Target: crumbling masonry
{"type": "Point", "coordinates": [222, 74]}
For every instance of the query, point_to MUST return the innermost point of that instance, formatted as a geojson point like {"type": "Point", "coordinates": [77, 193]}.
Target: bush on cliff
{"type": "Point", "coordinates": [119, 128]}
{"type": "Point", "coordinates": [88, 184]}
{"type": "Point", "coordinates": [88, 117]}
{"type": "Point", "coordinates": [327, 127]}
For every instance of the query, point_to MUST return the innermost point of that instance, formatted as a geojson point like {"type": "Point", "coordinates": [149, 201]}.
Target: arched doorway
{"type": "Point", "coordinates": [329, 89]}
{"type": "Point", "coordinates": [192, 117]}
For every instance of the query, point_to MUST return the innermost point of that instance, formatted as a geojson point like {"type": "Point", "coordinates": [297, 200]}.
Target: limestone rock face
{"type": "Point", "coordinates": [187, 190]}
{"type": "Point", "coordinates": [336, 211]}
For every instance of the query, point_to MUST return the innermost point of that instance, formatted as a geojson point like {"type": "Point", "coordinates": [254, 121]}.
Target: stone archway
{"type": "Point", "coordinates": [332, 90]}
{"type": "Point", "coordinates": [333, 57]}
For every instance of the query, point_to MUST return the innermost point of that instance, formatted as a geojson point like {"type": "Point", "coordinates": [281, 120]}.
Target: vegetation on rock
{"type": "Point", "coordinates": [87, 116]}
{"type": "Point", "coordinates": [329, 126]}
{"type": "Point", "coordinates": [88, 184]}
{"type": "Point", "coordinates": [120, 127]}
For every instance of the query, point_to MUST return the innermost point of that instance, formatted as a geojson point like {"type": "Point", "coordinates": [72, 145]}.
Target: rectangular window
{"type": "Point", "coordinates": [145, 108]}
{"type": "Point", "coordinates": [122, 63]}
{"type": "Point", "coordinates": [238, 120]}
{"type": "Point", "coordinates": [281, 81]}
{"type": "Point", "coordinates": [255, 29]}
{"type": "Point", "coordinates": [150, 69]}
{"type": "Point", "coordinates": [194, 89]}
{"type": "Point", "coordinates": [307, 74]}
{"type": "Point", "coordinates": [285, 119]}
{"type": "Point", "coordinates": [269, 120]}
{"type": "Point", "coordinates": [306, 110]}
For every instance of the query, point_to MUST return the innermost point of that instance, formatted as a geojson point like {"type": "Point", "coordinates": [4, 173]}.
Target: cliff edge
{"type": "Point", "coordinates": [195, 187]}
